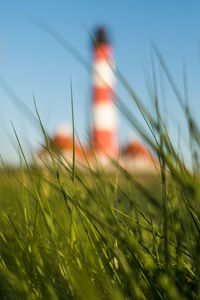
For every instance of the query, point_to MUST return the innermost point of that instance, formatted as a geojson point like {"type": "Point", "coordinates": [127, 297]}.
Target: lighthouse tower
{"type": "Point", "coordinates": [104, 134]}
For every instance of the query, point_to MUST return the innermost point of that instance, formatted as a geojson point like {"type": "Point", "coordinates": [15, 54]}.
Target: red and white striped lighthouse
{"type": "Point", "coordinates": [104, 135]}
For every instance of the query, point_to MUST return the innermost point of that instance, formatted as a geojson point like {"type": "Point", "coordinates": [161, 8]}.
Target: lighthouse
{"type": "Point", "coordinates": [104, 141]}
{"type": "Point", "coordinates": [104, 137]}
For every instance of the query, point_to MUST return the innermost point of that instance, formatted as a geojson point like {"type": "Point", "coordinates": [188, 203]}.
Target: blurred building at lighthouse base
{"type": "Point", "coordinates": [134, 156]}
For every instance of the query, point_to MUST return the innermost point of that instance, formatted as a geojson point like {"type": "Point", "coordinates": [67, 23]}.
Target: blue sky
{"type": "Point", "coordinates": [32, 62]}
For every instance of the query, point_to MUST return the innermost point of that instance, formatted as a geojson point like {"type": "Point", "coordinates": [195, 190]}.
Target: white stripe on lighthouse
{"type": "Point", "coordinates": [103, 74]}
{"type": "Point", "coordinates": [105, 117]}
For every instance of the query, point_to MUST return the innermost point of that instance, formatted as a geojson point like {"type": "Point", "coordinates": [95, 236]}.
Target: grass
{"type": "Point", "coordinates": [66, 233]}
{"type": "Point", "coordinates": [47, 254]}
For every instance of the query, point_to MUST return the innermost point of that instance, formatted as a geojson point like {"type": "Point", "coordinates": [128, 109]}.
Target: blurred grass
{"type": "Point", "coordinates": [111, 247]}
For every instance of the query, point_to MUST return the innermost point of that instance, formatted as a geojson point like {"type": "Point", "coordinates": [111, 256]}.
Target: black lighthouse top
{"type": "Point", "coordinates": [101, 36]}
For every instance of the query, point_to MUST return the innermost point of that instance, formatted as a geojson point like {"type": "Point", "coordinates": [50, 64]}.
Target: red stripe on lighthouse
{"type": "Point", "coordinates": [106, 141]}
{"type": "Point", "coordinates": [101, 94]}
{"type": "Point", "coordinates": [102, 51]}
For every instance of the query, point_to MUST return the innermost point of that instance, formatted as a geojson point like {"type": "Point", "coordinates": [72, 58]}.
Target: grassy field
{"type": "Point", "coordinates": [97, 236]}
